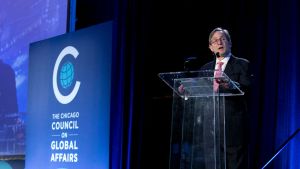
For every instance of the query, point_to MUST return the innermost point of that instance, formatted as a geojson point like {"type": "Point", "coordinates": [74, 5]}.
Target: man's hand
{"type": "Point", "coordinates": [181, 89]}
{"type": "Point", "coordinates": [223, 82]}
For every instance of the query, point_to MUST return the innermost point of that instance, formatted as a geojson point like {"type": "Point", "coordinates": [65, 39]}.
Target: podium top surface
{"type": "Point", "coordinates": [200, 84]}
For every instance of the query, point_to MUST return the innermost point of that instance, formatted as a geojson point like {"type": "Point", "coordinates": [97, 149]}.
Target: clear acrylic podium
{"type": "Point", "coordinates": [198, 135]}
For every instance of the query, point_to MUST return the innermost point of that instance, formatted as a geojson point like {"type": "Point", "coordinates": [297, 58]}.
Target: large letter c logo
{"type": "Point", "coordinates": [61, 98]}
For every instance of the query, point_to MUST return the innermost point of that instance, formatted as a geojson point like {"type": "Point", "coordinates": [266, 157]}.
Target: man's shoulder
{"type": "Point", "coordinates": [240, 59]}
{"type": "Point", "coordinates": [5, 68]}
{"type": "Point", "coordinates": [208, 66]}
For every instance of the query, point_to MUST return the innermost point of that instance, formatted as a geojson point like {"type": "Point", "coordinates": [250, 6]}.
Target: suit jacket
{"type": "Point", "coordinates": [237, 69]}
{"type": "Point", "coordinates": [8, 96]}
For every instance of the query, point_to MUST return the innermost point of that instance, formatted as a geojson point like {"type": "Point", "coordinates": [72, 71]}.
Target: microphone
{"type": "Point", "coordinates": [217, 54]}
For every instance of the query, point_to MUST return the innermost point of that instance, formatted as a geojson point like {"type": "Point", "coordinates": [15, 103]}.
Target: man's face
{"type": "Point", "coordinates": [219, 43]}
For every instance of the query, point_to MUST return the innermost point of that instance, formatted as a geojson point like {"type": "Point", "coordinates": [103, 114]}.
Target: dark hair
{"type": "Point", "coordinates": [224, 31]}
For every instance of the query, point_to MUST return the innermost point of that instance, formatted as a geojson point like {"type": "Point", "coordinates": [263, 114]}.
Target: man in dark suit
{"type": "Point", "coordinates": [8, 94]}
{"type": "Point", "coordinates": [237, 69]}
{"type": "Point", "coordinates": [8, 104]}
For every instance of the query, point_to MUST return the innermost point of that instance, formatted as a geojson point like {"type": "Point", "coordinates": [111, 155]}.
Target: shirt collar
{"type": "Point", "coordinates": [225, 59]}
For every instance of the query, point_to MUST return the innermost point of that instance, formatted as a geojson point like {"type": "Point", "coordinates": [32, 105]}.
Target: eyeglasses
{"type": "Point", "coordinates": [216, 41]}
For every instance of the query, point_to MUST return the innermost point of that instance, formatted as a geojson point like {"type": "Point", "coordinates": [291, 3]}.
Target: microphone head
{"type": "Point", "coordinates": [217, 54]}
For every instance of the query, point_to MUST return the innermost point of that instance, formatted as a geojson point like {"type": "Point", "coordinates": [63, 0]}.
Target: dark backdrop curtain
{"type": "Point", "coordinates": [277, 80]}
{"type": "Point", "coordinates": [127, 87]}
{"type": "Point", "coordinates": [154, 36]}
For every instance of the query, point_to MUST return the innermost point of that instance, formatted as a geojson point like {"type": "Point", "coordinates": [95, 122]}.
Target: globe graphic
{"type": "Point", "coordinates": [4, 165]}
{"type": "Point", "coordinates": [66, 75]}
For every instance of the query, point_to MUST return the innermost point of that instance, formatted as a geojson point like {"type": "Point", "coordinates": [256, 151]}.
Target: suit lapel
{"type": "Point", "coordinates": [213, 65]}
{"type": "Point", "coordinates": [229, 67]}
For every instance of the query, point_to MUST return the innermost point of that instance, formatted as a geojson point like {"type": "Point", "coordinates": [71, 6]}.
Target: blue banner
{"type": "Point", "coordinates": [69, 100]}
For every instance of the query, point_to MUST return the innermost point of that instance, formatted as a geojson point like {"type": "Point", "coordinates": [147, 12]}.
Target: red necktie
{"type": "Point", "coordinates": [218, 73]}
